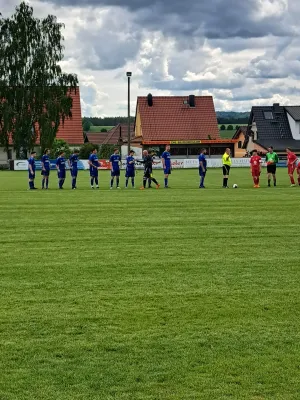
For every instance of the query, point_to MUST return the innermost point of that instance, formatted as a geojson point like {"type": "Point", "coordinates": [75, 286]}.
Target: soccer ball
{"type": "Point", "coordinates": [235, 186]}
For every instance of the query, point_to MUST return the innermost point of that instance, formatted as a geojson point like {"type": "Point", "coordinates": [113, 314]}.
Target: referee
{"type": "Point", "coordinates": [147, 161]}
{"type": "Point", "coordinates": [226, 161]}
{"type": "Point", "coordinates": [271, 160]}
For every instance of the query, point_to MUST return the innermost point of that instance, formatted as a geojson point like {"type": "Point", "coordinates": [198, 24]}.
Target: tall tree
{"type": "Point", "coordinates": [35, 94]}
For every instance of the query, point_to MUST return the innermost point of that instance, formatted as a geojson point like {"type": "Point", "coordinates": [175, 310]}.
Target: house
{"type": "Point", "coordinates": [71, 131]}
{"type": "Point", "coordinates": [187, 123]}
{"type": "Point", "coordinates": [117, 135]}
{"type": "Point", "coordinates": [277, 126]}
{"type": "Point", "coordinates": [240, 135]}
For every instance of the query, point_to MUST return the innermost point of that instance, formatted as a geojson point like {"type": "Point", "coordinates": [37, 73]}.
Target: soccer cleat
{"type": "Point", "coordinates": [293, 185]}
{"type": "Point", "coordinates": [111, 187]}
{"type": "Point", "coordinates": [158, 186]}
{"type": "Point", "coordinates": [201, 187]}
{"type": "Point", "coordinates": [118, 187]}
{"type": "Point", "coordinates": [97, 187]}
{"type": "Point", "coordinates": [92, 187]}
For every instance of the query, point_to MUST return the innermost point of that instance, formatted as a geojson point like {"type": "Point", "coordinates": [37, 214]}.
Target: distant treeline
{"type": "Point", "coordinates": [224, 117]}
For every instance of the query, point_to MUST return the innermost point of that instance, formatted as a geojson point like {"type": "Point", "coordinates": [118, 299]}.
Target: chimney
{"type": "Point", "coordinates": [192, 100]}
{"type": "Point", "coordinates": [276, 108]}
{"type": "Point", "coordinates": [150, 100]}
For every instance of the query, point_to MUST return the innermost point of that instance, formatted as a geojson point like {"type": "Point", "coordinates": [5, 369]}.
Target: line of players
{"type": "Point", "coordinates": [95, 165]}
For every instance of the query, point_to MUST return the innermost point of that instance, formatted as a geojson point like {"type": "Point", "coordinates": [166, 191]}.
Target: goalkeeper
{"type": "Point", "coordinates": [147, 161]}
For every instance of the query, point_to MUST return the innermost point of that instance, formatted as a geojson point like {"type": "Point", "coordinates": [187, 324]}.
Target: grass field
{"type": "Point", "coordinates": [98, 128]}
{"type": "Point", "coordinates": [179, 294]}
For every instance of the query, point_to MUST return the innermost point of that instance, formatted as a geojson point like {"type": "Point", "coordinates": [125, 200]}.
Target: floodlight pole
{"type": "Point", "coordinates": [128, 74]}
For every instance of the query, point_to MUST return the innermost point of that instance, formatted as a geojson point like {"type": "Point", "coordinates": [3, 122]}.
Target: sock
{"type": "Point", "coordinates": [92, 181]}
{"type": "Point", "coordinates": [43, 183]}
{"type": "Point", "coordinates": [144, 182]}
{"type": "Point", "coordinates": [269, 182]}
{"type": "Point", "coordinates": [166, 182]}
{"type": "Point", "coordinates": [257, 180]}
{"type": "Point", "coordinates": [292, 180]}
{"type": "Point", "coordinates": [118, 181]}
{"type": "Point", "coordinates": [73, 183]}
{"type": "Point", "coordinates": [149, 182]}
{"type": "Point", "coordinates": [111, 183]}
{"type": "Point", "coordinates": [126, 182]}
{"type": "Point", "coordinates": [31, 185]}
{"type": "Point", "coordinates": [274, 182]}
{"type": "Point", "coordinates": [299, 179]}
{"type": "Point", "coordinates": [60, 183]}
{"type": "Point", "coordinates": [96, 181]}
{"type": "Point", "coordinates": [202, 181]}
{"type": "Point", "coordinates": [132, 182]}
{"type": "Point", "coordinates": [155, 181]}
{"type": "Point", "coordinates": [226, 181]}
{"type": "Point", "coordinates": [47, 183]}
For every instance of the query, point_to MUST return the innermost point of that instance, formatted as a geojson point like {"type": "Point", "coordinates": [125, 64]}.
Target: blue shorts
{"type": "Point", "coordinates": [94, 173]}
{"type": "Point", "coordinates": [115, 172]}
{"type": "Point", "coordinates": [130, 173]}
{"type": "Point", "coordinates": [167, 171]}
{"type": "Point", "coordinates": [61, 174]}
{"type": "Point", "coordinates": [74, 172]}
{"type": "Point", "coordinates": [46, 172]}
{"type": "Point", "coordinates": [201, 173]}
{"type": "Point", "coordinates": [30, 175]}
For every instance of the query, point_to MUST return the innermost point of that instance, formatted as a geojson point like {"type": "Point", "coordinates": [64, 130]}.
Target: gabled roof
{"type": "Point", "coordinates": [171, 119]}
{"type": "Point", "coordinates": [294, 112]}
{"type": "Point", "coordinates": [112, 136]}
{"type": "Point", "coordinates": [241, 129]}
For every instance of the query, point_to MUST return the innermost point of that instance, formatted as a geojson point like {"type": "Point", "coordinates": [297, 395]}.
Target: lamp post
{"type": "Point", "coordinates": [128, 74]}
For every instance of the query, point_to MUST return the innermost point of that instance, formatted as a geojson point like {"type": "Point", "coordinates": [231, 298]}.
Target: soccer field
{"type": "Point", "coordinates": [179, 294]}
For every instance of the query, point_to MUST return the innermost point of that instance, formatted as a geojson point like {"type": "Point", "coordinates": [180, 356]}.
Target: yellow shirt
{"type": "Point", "coordinates": [226, 160]}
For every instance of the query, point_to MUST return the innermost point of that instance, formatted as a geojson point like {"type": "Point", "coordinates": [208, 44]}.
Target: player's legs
{"type": "Point", "coordinates": [274, 174]}
{"type": "Point", "coordinates": [96, 178]}
{"type": "Point", "coordinates": [291, 171]}
{"type": "Point", "coordinates": [202, 177]}
{"type": "Point", "coordinates": [132, 181]}
{"type": "Point", "coordinates": [47, 179]}
{"type": "Point", "coordinates": [112, 178]}
{"type": "Point", "coordinates": [118, 179]}
{"type": "Point", "coordinates": [167, 173]}
{"type": "Point", "coordinates": [155, 181]}
{"type": "Point", "coordinates": [74, 179]}
{"type": "Point", "coordinates": [31, 181]}
{"type": "Point", "coordinates": [43, 179]}
{"type": "Point", "coordinates": [226, 170]}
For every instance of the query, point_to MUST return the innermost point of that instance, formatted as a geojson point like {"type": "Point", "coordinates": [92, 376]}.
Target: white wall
{"type": "Point", "coordinates": [295, 127]}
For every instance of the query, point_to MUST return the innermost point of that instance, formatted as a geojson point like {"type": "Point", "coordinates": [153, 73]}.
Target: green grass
{"type": "Point", "coordinates": [176, 294]}
{"type": "Point", "coordinates": [98, 128]}
{"type": "Point", "coordinates": [227, 134]}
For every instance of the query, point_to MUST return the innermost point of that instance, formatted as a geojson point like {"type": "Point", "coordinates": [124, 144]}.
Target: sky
{"type": "Point", "coordinates": [243, 53]}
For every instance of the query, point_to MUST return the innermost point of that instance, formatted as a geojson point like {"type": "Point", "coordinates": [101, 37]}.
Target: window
{"type": "Point", "coordinates": [268, 115]}
{"type": "Point", "coordinates": [240, 144]}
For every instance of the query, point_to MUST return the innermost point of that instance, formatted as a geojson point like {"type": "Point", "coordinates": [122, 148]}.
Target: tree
{"type": "Point", "coordinates": [103, 130]}
{"type": "Point", "coordinates": [58, 146]}
{"type": "Point", "coordinates": [86, 150]}
{"type": "Point", "coordinates": [35, 93]}
{"type": "Point", "coordinates": [237, 127]}
{"type": "Point", "coordinates": [86, 124]}
{"type": "Point", "coordinates": [230, 128]}
{"type": "Point", "coordinates": [223, 127]}
{"type": "Point", "coordinates": [106, 150]}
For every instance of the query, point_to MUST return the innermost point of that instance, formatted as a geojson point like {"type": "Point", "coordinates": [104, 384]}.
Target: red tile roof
{"type": "Point", "coordinates": [71, 131]}
{"type": "Point", "coordinates": [170, 119]}
{"type": "Point", "coordinates": [112, 136]}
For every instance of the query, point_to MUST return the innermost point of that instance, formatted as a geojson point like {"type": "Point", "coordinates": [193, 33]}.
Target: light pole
{"type": "Point", "coordinates": [128, 74]}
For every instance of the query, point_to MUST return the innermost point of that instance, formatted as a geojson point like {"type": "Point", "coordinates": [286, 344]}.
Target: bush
{"type": "Point", "coordinates": [223, 128]}
{"type": "Point", "coordinates": [230, 128]}
{"type": "Point", "coordinates": [4, 167]}
{"type": "Point", "coordinates": [106, 150]}
{"type": "Point", "coordinates": [58, 146]}
{"type": "Point", "coordinates": [103, 130]}
{"type": "Point", "coordinates": [86, 149]}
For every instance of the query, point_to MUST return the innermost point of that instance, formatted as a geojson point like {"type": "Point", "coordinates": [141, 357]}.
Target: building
{"type": "Point", "coordinates": [115, 136]}
{"type": "Point", "coordinates": [188, 123]}
{"type": "Point", "coordinates": [277, 126]}
{"type": "Point", "coordinates": [240, 136]}
{"type": "Point", "coordinates": [71, 131]}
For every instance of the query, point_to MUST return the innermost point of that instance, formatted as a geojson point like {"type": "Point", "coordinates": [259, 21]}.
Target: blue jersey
{"type": "Point", "coordinates": [167, 157]}
{"type": "Point", "coordinates": [93, 158]}
{"type": "Point", "coordinates": [129, 163]}
{"type": "Point", "coordinates": [203, 159]}
{"type": "Point", "coordinates": [46, 162]}
{"type": "Point", "coordinates": [115, 159]}
{"type": "Point", "coordinates": [74, 161]}
{"type": "Point", "coordinates": [61, 163]}
{"type": "Point", "coordinates": [31, 161]}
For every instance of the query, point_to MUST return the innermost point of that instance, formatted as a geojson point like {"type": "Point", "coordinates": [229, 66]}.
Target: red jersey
{"type": "Point", "coordinates": [291, 158]}
{"type": "Point", "coordinates": [255, 162]}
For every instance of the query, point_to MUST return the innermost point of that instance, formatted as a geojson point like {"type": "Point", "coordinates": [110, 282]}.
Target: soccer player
{"type": "Point", "coordinates": [45, 168]}
{"type": "Point", "coordinates": [73, 164]}
{"type": "Point", "coordinates": [226, 161]}
{"type": "Point", "coordinates": [130, 168]}
{"type": "Point", "coordinates": [166, 162]}
{"type": "Point", "coordinates": [152, 154]}
{"type": "Point", "coordinates": [31, 170]}
{"type": "Point", "coordinates": [255, 165]}
{"type": "Point", "coordinates": [292, 163]}
{"type": "Point", "coordinates": [94, 165]}
{"type": "Point", "coordinates": [115, 160]}
{"type": "Point", "coordinates": [61, 169]}
{"type": "Point", "coordinates": [202, 168]}
{"type": "Point", "coordinates": [147, 161]}
{"type": "Point", "coordinates": [271, 160]}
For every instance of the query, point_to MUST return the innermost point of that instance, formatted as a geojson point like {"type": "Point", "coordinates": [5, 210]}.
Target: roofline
{"type": "Point", "coordinates": [297, 120]}
{"type": "Point", "coordinates": [224, 141]}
